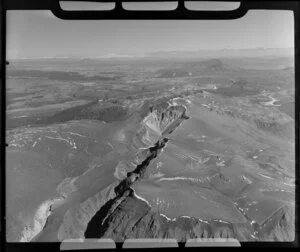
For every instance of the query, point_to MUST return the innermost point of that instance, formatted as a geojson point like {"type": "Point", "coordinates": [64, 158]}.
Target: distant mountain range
{"type": "Point", "coordinates": [255, 52]}
{"type": "Point", "coordinates": [204, 54]}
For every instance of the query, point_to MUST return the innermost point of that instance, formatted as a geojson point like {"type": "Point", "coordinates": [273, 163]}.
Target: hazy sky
{"type": "Point", "coordinates": [35, 34]}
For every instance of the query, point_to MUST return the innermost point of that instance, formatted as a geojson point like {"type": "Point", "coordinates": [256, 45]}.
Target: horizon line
{"type": "Point", "coordinates": [147, 54]}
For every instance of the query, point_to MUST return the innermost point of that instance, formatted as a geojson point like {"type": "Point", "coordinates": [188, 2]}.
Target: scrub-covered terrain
{"type": "Point", "coordinates": [150, 148]}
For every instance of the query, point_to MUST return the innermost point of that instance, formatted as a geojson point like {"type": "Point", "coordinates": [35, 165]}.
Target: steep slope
{"type": "Point", "coordinates": [70, 219]}
{"type": "Point", "coordinates": [129, 217]}
{"type": "Point", "coordinates": [169, 180]}
{"type": "Point", "coordinates": [266, 205]}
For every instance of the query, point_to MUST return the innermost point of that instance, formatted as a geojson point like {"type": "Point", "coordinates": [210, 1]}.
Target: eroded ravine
{"type": "Point", "coordinates": [117, 212]}
{"type": "Point", "coordinates": [130, 216]}
{"type": "Point", "coordinates": [57, 226]}
{"type": "Point", "coordinates": [123, 191]}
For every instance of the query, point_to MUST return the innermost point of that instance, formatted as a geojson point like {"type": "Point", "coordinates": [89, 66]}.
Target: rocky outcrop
{"type": "Point", "coordinates": [76, 219]}
{"type": "Point", "coordinates": [128, 217]}
{"type": "Point", "coordinates": [117, 213]}
{"type": "Point", "coordinates": [161, 121]}
{"type": "Point", "coordinates": [280, 226]}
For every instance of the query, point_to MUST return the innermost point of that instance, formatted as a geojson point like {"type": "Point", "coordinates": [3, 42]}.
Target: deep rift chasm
{"type": "Point", "coordinates": [117, 211]}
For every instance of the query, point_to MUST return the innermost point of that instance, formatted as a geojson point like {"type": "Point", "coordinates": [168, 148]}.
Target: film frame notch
{"type": "Point", "coordinates": [120, 11]}
{"type": "Point", "coordinates": [89, 244]}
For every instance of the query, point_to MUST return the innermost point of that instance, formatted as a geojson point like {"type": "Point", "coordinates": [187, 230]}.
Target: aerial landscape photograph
{"type": "Point", "coordinates": [172, 129]}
